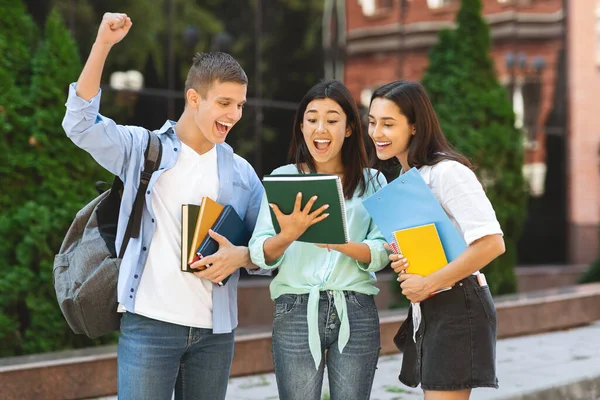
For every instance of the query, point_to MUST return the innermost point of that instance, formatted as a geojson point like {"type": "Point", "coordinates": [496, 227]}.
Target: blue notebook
{"type": "Point", "coordinates": [407, 202]}
{"type": "Point", "coordinates": [230, 225]}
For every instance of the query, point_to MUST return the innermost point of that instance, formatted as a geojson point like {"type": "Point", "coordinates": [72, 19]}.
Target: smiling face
{"type": "Point", "coordinates": [389, 129]}
{"type": "Point", "coordinates": [325, 128]}
{"type": "Point", "coordinates": [217, 112]}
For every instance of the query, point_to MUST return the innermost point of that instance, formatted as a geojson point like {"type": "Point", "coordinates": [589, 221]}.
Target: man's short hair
{"type": "Point", "coordinates": [208, 68]}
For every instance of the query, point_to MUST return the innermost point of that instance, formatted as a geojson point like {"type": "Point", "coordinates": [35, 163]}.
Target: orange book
{"type": "Point", "coordinates": [207, 215]}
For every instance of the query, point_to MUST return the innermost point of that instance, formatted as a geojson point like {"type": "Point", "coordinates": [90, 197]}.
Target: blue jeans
{"type": "Point", "coordinates": [350, 373]}
{"type": "Point", "coordinates": [155, 357]}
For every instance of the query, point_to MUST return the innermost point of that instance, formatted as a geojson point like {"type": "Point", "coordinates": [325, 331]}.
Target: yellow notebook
{"type": "Point", "coordinates": [207, 215]}
{"type": "Point", "coordinates": [422, 248]}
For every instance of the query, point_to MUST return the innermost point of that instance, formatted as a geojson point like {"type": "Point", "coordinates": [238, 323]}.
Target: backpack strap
{"type": "Point", "coordinates": [152, 157]}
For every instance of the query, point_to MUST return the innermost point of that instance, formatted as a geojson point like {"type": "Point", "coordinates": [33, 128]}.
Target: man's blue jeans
{"type": "Point", "coordinates": [154, 357]}
{"type": "Point", "coordinates": [350, 373]}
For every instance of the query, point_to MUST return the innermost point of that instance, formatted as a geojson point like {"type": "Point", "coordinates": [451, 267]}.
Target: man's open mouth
{"type": "Point", "coordinates": [223, 127]}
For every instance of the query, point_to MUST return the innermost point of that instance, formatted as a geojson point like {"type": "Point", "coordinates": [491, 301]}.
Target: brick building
{"type": "Point", "coordinates": [543, 55]}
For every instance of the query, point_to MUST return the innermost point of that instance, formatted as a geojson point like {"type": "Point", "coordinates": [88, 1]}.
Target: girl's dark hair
{"type": "Point", "coordinates": [354, 155]}
{"type": "Point", "coordinates": [429, 145]}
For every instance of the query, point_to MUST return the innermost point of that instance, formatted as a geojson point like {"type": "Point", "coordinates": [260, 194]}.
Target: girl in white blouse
{"type": "Point", "coordinates": [453, 350]}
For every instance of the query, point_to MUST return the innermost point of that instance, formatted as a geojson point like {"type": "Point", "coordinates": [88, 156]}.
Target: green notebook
{"type": "Point", "coordinates": [282, 190]}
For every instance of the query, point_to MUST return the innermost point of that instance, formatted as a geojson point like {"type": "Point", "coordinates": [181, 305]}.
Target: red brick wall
{"type": "Point", "coordinates": [373, 69]}
{"type": "Point", "coordinates": [584, 131]}
{"type": "Point", "coordinates": [418, 11]}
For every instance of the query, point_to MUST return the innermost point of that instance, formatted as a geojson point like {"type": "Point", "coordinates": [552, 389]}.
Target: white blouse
{"type": "Point", "coordinates": [461, 195]}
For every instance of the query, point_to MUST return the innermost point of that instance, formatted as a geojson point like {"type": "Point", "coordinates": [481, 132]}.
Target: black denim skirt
{"type": "Point", "coordinates": [455, 345]}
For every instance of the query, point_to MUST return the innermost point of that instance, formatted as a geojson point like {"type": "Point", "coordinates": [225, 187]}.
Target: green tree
{"type": "Point", "coordinates": [17, 38]}
{"type": "Point", "coordinates": [18, 35]}
{"type": "Point", "coordinates": [291, 57]}
{"type": "Point", "coordinates": [477, 117]}
{"type": "Point", "coordinates": [49, 180]}
{"type": "Point", "coordinates": [146, 44]}
{"type": "Point", "coordinates": [592, 274]}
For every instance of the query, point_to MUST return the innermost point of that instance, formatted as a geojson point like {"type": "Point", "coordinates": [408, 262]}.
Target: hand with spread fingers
{"type": "Point", "coordinates": [295, 224]}
{"type": "Point", "coordinates": [218, 266]}
{"type": "Point", "coordinates": [399, 262]}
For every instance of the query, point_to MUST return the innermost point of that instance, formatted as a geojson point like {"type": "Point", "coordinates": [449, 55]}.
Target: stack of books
{"type": "Point", "coordinates": [197, 220]}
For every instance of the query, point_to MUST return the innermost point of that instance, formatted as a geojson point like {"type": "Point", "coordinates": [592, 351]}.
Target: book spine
{"type": "Point", "coordinates": [343, 208]}
{"type": "Point", "coordinates": [196, 238]}
{"type": "Point", "coordinates": [184, 236]}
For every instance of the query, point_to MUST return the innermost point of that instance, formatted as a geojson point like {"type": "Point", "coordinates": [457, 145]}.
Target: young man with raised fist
{"type": "Point", "coordinates": [177, 329]}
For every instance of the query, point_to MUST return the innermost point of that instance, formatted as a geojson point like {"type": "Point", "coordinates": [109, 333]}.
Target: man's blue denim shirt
{"type": "Point", "coordinates": [120, 149]}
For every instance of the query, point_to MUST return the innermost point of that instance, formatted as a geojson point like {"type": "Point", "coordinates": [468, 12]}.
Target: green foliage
{"type": "Point", "coordinates": [146, 44]}
{"type": "Point", "coordinates": [592, 274]}
{"type": "Point", "coordinates": [15, 46]}
{"type": "Point", "coordinates": [477, 117]}
{"type": "Point", "coordinates": [17, 40]}
{"type": "Point", "coordinates": [291, 56]}
{"type": "Point", "coordinates": [48, 178]}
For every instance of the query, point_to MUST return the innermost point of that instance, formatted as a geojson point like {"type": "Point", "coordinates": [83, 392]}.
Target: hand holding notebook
{"type": "Point", "coordinates": [196, 220]}
{"type": "Point", "coordinates": [407, 202]}
{"type": "Point", "coordinates": [422, 247]}
{"type": "Point", "coordinates": [229, 226]}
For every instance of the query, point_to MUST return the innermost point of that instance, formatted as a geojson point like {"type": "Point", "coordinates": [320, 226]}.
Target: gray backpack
{"type": "Point", "coordinates": [86, 268]}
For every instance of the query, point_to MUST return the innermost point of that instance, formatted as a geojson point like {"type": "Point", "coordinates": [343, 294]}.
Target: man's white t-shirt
{"type": "Point", "coordinates": [165, 292]}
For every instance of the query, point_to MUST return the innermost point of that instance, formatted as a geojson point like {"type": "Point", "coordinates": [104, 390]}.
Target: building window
{"type": "Point", "coordinates": [368, 6]}
{"type": "Point", "coordinates": [525, 95]}
{"type": "Point", "coordinates": [517, 2]}
{"type": "Point", "coordinates": [440, 3]}
{"type": "Point", "coordinates": [518, 104]}
{"type": "Point", "coordinates": [524, 85]}
{"type": "Point", "coordinates": [373, 7]}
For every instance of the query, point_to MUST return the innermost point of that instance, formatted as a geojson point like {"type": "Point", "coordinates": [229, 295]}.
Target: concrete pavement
{"type": "Point", "coordinates": [562, 365]}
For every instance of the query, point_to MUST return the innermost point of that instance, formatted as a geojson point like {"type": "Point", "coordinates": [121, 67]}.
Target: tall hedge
{"type": "Point", "coordinates": [17, 43]}
{"type": "Point", "coordinates": [45, 179]}
{"type": "Point", "coordinates": [477, 117]}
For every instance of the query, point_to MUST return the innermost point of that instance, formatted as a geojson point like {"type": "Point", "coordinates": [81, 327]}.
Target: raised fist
{"type": "Point", "coordinates": [113, 28]}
